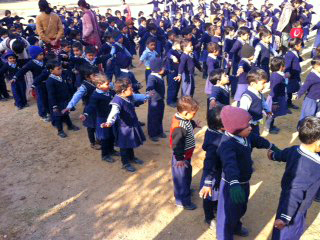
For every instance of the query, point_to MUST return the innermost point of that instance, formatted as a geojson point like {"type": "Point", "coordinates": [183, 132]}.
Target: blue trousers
{"type": "Point", "coordinates": [3, 89]}
{"type": "Point", "coordinates": [42, 101]}
{"type": "Point", "coordinates": [293, 231]}
{"type": "Point", "coordinates": [127, 154]}
{"type": "Point", "coordinates": [19, 93]}
{"type": "Point", "coordinates": [173, 88]}
{"type": "Point", "coordinates": [188, 85]}
{"type": "Point", "coordinates": [146, 74]}
{"type": "Point", "coordinates": [182, 177]}
{"type": "Point", "coordinates": [155, 117]}
{"type": "Point", "coordinates": [229, 213]}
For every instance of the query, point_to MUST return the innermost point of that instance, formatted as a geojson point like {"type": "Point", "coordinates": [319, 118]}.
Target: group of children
{"type": "Point", "coordinates": [240, 57]}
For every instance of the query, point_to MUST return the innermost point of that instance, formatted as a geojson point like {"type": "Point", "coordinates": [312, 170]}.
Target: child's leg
{"type": "Point", "coordinates": [58, 122]}
{"type": "Point", "coordinates": [3, 89]}
{"type": "Point", "coordinates": [208, 208]}
{"type": "Point", "coordinates": [289, 100]}
{"type": "Point", "coordinates": [16, 95]}
{"type": "Point", "coordinates": [186, 85]}
{"type": "Point", "coordinates": [105, 150]}
{"type": "Point", "coordinates": [269, 123]}
{"type": "Point", "coordinates": [125, 155]}
{"type": "Point", "coordinates": [41, 109]}
{"type": "Point", "coordinates": [155, 116]}
{"type": "Point", "coordinates": [182, 181]}
{"type": "Point", "coordinates": [91, 135]}
{"type": "Point", "coordinates": [173, 89]}
{"type": "Point", "coordinates": [22, 91]}
{"type": "Point", "coordinates": [66, 118]}
{"type": "Point", "coordinates": [147, 73]}
{"type": "Point", "coordinates": [229, 213]}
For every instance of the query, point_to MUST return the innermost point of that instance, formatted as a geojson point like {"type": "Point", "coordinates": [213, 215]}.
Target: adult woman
{"type": "Point", "coordinates": [49, 27]}
{"type": "Point", "coordinates": [90, 31]}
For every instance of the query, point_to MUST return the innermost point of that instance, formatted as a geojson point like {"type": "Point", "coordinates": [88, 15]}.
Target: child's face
{"type": "Point", "coordinates": [224, 79]}
{"type": "Point", "coordinates": [90, 56]}
{"type": "Point", "coordinates": [188, 36]}
{"type": "Point", "coordinates": [57, 71]}
{"type": "Point", "coordinates": [128, 92]}
{"type": "Point", "coordinates": [251, 58]}
{"type": "Point", "coordinates": [267, 39]}
{"type": "Point", "coordinates": [298, 47]}
{"type": "Point", "coordinates": [78, 37]}
{"type": "Point", "coordinates": [143, 23]}
{"type": "Point", "coordinates": [189, 48]}
{"type": "Point", "coordinates": [245, 37]}
{"type": "Point", "coordinates": [216, 53]}
{"type": "Point", "coordinates": [104, 86]}
{"type": "Point", "coordinates": [197, 24]}
{"type": "Point", "coordinates": [259, 85]}
{"type": "Point", "coordinates": [67, 48]}
{"type": "Point", "coordinates": [12, 60]}
{"type": "Point", "coordinates": [111, 40]}
{"type": "Point", "coordinates": [188, 115]}
{"type": "Point", "coordinates": [125, 30]}
{"type": "Point", "coordinates": [245, 132]}
{"type": "Point", "coordinates": [152, 46]}
{"type": "Point", "coordinates": [40, 57]}
{"type": "Point", "coordinates": [162, 71]}
{"type": "Point", "coordinates": [77, 52]}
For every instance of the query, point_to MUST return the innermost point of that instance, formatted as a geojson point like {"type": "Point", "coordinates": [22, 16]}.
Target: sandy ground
{"type": "Point", "coordinates": [52, 188]}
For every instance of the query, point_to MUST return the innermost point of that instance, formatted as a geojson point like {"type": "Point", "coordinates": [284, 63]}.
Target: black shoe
{"type": "Point", "coordinates": [3, 99]}
{"type": "Point", "coordinates": [108, 159]}
{"type": "Point", "coordinates": [211, 223]}
{"type": "Point", "coordinates": [129, 167]}
{"type": "Point", "coordinates": [154, 139]}
{"type": "Point", "coordinates": [62, 134]}
{"type": "Point", "coordinates": [115, 153]}
{"type": "Point", "coordinates": [137, 161]}
{"type": "Point", "coordinates": [275, 128]}
{"type": "Point", "coordinates": [95, 146]}
{"type": "Point", "coordinates": [190, 206]}
{"type": "Point", "coordinates": [243, 232]}
{"type": "Point", "coordinates": [19, 108]}
{"type": "Point", "coordinates": [293, 106]}
{"type": "Point", "coordinates": [74, 128]}
{"type": "Point", "coordinates": [26, 105]}
{"type": "Point", "coordinates": [162, 135]}
{"type": "Point", "coordinates": [317, 199]}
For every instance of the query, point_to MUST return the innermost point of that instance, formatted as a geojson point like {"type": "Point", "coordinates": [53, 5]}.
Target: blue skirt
{"type": "Point", "coordinates": [241, 88]}
{"type": "Point", "coordinates": [128, 137]}
{"type": "Point", "coordinates": [103, 133]}
{"type": "Point", "coordinates": [283, 106]}
{"type": "Point", "coordinates": [309, 108]}
{"type": "Point", "coordinates": [215, 194]}
{"type": "Point", "coordinates": [90, 121]}
{"type": "Point", "coordinates": [293, 85]}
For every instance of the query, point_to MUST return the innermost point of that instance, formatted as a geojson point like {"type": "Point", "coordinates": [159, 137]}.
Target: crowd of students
{"type": "Point", "coordinates": [243, 53]}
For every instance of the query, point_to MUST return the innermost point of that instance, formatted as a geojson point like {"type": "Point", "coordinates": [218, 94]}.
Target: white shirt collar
{"type": "Point", "coordinates": [56, 77]}
{"type": "Point", "coordinates": [240, 40]}
{"type": "Point", "coordinates": [212, 56]}
{"type": "Point", "coordinates": [241, 140]}
{"type": "Point", "coordinates": [280, 73]}
{"type": "Point", "coordinates": [156, 74]}
{"type": "Point", "coordinates": [124, 70]}
{"type": "Point", "coordinates": [316, 73]}
{"type": "Point", "coordinates": [257, 93]}
{"type": "Point", "coordinates": [264, 44]}
{"type": "Point", "coordinates": [295, 53]}
{"type": "Point", "coordinates": [311, 155]}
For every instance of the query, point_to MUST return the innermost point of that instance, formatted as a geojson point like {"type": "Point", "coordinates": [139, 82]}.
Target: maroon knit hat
{"type": "Point", "coordinates": [234, 119]}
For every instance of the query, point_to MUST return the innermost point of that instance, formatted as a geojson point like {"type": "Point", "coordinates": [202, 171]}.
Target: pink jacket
{"type": "Point", "coordinates": [90, 32]}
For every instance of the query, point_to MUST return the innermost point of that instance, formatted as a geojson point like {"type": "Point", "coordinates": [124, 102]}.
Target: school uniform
{"type": "Point", "coordinates": [299, 185]}
{"type": "Point", "coordinates": [99, 104]}
{"type": "Point", "coordinates": [221, 94]}
{"type": "Point", "coordinates": [125, 73]}
{"type": "Point", "coordinates": [213, 62]}
{"type": "Point", "coordinates": [127, 130]}
{"type": "Point", "coordinates": [242, 83]}
{"type": "Point", "coordinates": [311, 103]}
{"type": "Point", "coordinates": [182, 143]}
{"type": "Point", "coordinates": [156, 105]}
{"type": "Point", "coordinates": [146, 58]}
{"type": "Point", "coordinates": [205, 39]}
{"type": "Point", "coordinates": [254, 102]}
{"type": "Point", "coordinates": [58, 96]}
{"type": "Point", "coordinates": [3, 86]}
{"type": "Point", "coordinates": [235, 154]}
{"type": "Point", "coordinates": [172, 68]}
{"type": "Point", "coordinates": [67, 73]}
{"type": "Point", "coordinates": [186, 71]}
{"type": "Point", "coordinates": [212, 169]}
{"type": "Point", "coordinates": [108, 68]}
{"type": "Point", "coordinates": [292, 60]}
{"type": "Point", "coordinates": [262, 56]}
{"type": "Point", "coordinates": [235, 54]}
{"type": "Point", "coordinates": [118, 51]}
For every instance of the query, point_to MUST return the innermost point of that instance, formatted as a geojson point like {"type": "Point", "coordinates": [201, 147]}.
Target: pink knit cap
{"type": "Point", "coordinates": [234, 119]}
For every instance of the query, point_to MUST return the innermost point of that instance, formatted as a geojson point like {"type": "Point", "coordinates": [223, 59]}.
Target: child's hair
{"type": "Point", "coordinates": [73, 34]}
{"type": "Point", "coordinates": [3, 31]}
{"type": "Point", "coordinates": [315, 61]}
{"type": "Point", "coordinates": [152, 27]}
{"type": "Point", "coordinates": [171, 33]}
{"type": "Point", "coordinates": [7, 12]}
{"type": "Point", "coordinates": [65, 43]}
{"type": "Point", "coordinates": [294, 42]}
{"type": "Point", "coordinates": [51, 56]}
{"type": "Point", "coordinates": [276, 63]}
{"type": "Point", "coordinates": [213, 47]}
{"type": "Point", "coordinates": [309, 130]}
{"type": "Point", "coordinates": [184, 44]}
{"type": "Point", "coordinates": [121, 84]}
{"type": "Point", "coordinates": [77, 45]}
{"type": "Point", "coordinates": [90, 50]}
{"type": "Point", "coordinates": [318, 51]}
{"type": "Point", "coordinates": [243, 31]}
{"type": "Point", "coordinates": [107, 36]}
{"type": "Point", "coordinates": [142, 19]}
{"type": "Point", "coordinates": [214, 119]}
{"type": "Point", "coordinates": [264, 33]}
{"type": "Point", "coordinates": [140, 13]}
{"type": "Point", "coordinates": [256, 14]}
{"type": "Point", "coordinates": [100, 79]}
{"type": "Point", "coordinates": [216, 76]}
{"type": "Point", "coordinates": [53, 64]}
{"type": "Point", "coordinates": [151, 40]}
{"type": "Point", "coordinates": [228, 30]}
{"type": "Point", "coordinates": [297, 24]}
{"type": "Point", "coordinates": [87, 70]}
{"type": "Point", "coordinates": [188, 104]}
{"type": "Point", "coordinates": [256, 75]}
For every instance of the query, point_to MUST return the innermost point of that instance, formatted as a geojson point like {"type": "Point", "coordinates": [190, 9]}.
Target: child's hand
{"type": "Point", "coordinates": [287, 75]}
{"type": "Point", "coordinates": [294, 96]}
{"type": "Point", "coordinates": [174, 59]}
{"type": "Point", "coordinates": [279, 224]}
{"type": "Point", "coordinates": [269, 154]}
{"type": "Point", "coordinates": [240, 70]}
{"type": "Point", "coordinates": [181, 164]}
{"type": "Point", "coordinates": [198, 124]}
{"type": "Point", "coordinates": [177, 78]}
{"type": "Point", "coordinates": [82, 117]}
{"type": "Point", "coordinates": [205, 192]}
{"type": "Point", "coordinates": [105, 125]}
{"type": "Point", "coordinates": [66, 110]}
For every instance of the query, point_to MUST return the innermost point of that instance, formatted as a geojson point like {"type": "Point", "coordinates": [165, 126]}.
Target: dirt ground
{"type": "Point", "coordinates": [53, 188]}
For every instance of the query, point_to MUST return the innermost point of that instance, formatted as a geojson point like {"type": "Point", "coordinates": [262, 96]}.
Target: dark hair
{"type": "Point", "coordinates": [84, 4]}
{"type": "Point", "coordinates": [315, 61]}
{"type": "Point", "coordinates": [187, 103]}
{"type": "Point", "coordinates": [151, 27]}
{"type": "Point", "coordinates": [228, 29]}
{"type": "Point", "coordinates": [87, 70]}
{"type": "Point", "coordinates": [309, 130]}
{"type": "Point", "coordinates": [65, 43]}
{"type": "Point", "coordinates": [297, 23]}
{"type": "Point", "coordinates": [256, 74]}
{"type": "Point", "coordinates": [121, 84]}
{"type": "Point", "coordinates": [44, 7]}
{"type": "Point", "coordinates": [140, 13]}
{"type": "Point", "coordinates": [212, 47]}
{"type": "Point", "coordinates": [53, 64]}
{"type": "Point", "coordinates": [216, 75]}
{"type": "Point", "coordinates": [51, 56]}
{"type": "Point", "coordinates": [143, 19]}
{"type": "Point", "coordinates": [77, 45]}
{"type": "Point", "coordinates": [264, 33]}
{"type": "Point", "coordinates": [296, 1]}
{"type": "Point", "coordinates": [18, 46]}
{"type": "Point", "coordinates": [256, 14]}
{"type": "Point", "coordinates": [294, 42]}
{"type": "Point", "coordinates": [171, 33]}
{"type": "Point", "coordinates": [276, 63]}
{"type": "Point", "coordinates": [73, 34]}
{"type": "Point", "coordinates": [90, 50]}
{"type": "Point", "coordinates": [214, 118]}
{"type": "Point", "coordinates": [3, 31]}
{"type": "Point", "coordinates": [243, 31]}
{"type": "Point", "coordinates": [151, 40]}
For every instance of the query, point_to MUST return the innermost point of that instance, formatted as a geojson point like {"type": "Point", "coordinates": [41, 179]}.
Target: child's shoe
{"type": "Point", "coordinates": [137, 161]}
{"type": "Point", "coordinates": [62, 134]}
{"type": "Point", "coordinates": [95, 146]}
{"type": "Point", "coordinates": [190, 206]}
{"type": "Point", "coordinates": [129, 167]}
{"type": "Point", "coordinates": [108, 159]}
{"type": "Point", "coordinates": [74, 128]}
{"type": "Point", "coordinates": [243, 232]}
{"type": "Point", "coordinates": [162, 135]}
{"type": "Point", "coordinates": [154, 139]}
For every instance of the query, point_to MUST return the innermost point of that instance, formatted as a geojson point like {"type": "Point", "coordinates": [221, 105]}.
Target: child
{"type": "Point", "coordinates": [252, 100]}
{"type": "Point", "coordinates": [18, 86]}
{"type": "Point", "coordinates": [186, 69]}
{"type": "Point", "coordinates": [173, 60]}
{"type": "Point", "coordinates": [124, 64]}
{"type": "Point", "coordinates": [245, 65]}
{"type": "Point", "coordinates": [311, 103]}
{"type": "Point", "coordinates": [228, 39]}
{"type": "Point", "coordinates": [220, 94]}
{"type": "Point", "coordinates": [293, 69]}
{"type": "Point", "coordinates": [58, 96]}
{"type": "Point", "coordinates": [156, 102]}
{"type": "Point", "coordinates": [213, 62]}
{"type": "Point", "coordinates": [128, 132]}
{"type": "Point", "coordinates": [4, 95]}
{"type": "Point", "coordinates": [148, 54]}
{"type": "Point", "coordinates": [182, 143]}
{"type": "Point", "coordinates": [300, 181]}
{"type": "Point", "coordinates": [212, 167]}
{"type": "Point", "coordinates": [296, 31]}
{"type": "Point", "coordinates": [235, 153]}
{"type": "Point", "coordinates": [99, 104]}
{"type": "Point", "coordinates": [277, 98]}
{"type": "Point", "coordinates": [84, 92]}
